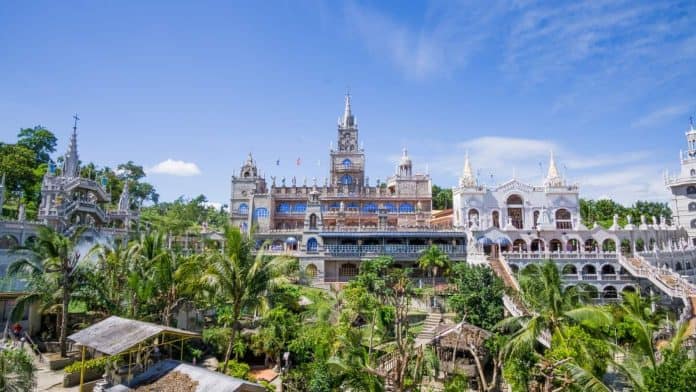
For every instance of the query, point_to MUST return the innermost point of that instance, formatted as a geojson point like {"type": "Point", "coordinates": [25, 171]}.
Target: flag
{"type": "Point", "coordinates": [299, 161]}
{"type": "Point", "coordinates": [277, 162]}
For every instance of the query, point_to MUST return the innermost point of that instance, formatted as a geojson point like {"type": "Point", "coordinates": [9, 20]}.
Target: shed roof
{"type": "Point", "coordinates": [115, 335]}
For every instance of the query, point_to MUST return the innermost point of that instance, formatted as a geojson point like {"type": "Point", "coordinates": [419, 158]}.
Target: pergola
{"type": "Point", "coordinates": [121, 336]}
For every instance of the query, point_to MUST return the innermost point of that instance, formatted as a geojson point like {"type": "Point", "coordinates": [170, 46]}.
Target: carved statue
{"type": "Point", "coordinates": [282, 181]}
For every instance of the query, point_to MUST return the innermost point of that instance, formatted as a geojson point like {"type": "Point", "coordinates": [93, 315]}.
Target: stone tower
{"type": "Point", "coordinates": [348, 160]}
{"type": "Point", "coordinates": [683, 187]}
{"type": "Point", "coordinates": [247, 189]}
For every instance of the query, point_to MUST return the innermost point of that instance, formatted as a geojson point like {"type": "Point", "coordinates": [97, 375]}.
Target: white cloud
{"type": "Point", "coordinates": [174, 167]}
{"type": "Point", "coordinates": [659, 116]}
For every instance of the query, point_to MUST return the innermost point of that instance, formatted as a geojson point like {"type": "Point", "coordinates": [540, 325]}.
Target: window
{"type": "Point", "coordinates": [348, 270]}
{"type": "Point", "coordinates": [405, 208]}
{"type": "Point", "coordinates": [312, 245]}
{"type": "Point", "coordinates": [390, 208]}
{"type": "Point", "coordinates": [243, 208]}
{"type": "Point", "coordinates": [692, 206]}
{"type": "Point", "coordinates": [473, 217]}
{"type": "Point", "coordinates": [370, 208]}
{"type": "Point", "coordinates": [283, 208]}
{"type": "Point", "coordinates": [514, 199]}
{"type": "Point", "coordinates": [347, 164]}
{"type": "Point", "coordinates": [313, 221]}
{"type": "Point", "coordinates": [346, 180]}
{"type": "Point", "coordinates": [693, 172]}
{"type": "Point", "coordinates": [300, 207]}
{"type": "Point", "coordinates": [261, 213]}
{"type": "Point", "coordinates": [693, 223]}
{"type": "Point", "coordinates": [352, 206]}
{"type": "Point", "coordinates": [563, 220]}
{"type": "Point", "coordinates": [496, 219]}
{"type": "Point", "coordinates": [691, 190]}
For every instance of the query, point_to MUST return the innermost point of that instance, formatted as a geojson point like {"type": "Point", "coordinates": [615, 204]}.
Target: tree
{"type": "Point", "coordinates": [17, 164]}
{"type": "Point", "coordinates": [676, 373]}
{"type": "Point", "coordinates": [442, 198]}
{"type": "Point", "coordinates": [238, 278]}
{"type": "Point", "coordinates": [17, 371]}
{"type": "Point", "coordinates": [478, 295]}
{"type": "Point", "coordinates": [434, 259]}
{"type": "Point", "coordinates": [56, 256]}
{"type": "Point", "coordinates": [40, 140]}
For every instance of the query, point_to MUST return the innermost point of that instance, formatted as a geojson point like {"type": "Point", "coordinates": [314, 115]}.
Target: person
{"type": "Point", "coordinates": [17, 330]}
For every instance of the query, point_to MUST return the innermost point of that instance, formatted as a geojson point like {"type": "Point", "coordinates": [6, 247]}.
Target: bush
{"type": "Point", "coordinates": [237, 369]}
{"type": "Point", "coordinates": [97, 364]}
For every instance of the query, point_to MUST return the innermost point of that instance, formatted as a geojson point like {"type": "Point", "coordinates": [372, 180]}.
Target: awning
{"type": "Point", "coordinates": [291, 240]}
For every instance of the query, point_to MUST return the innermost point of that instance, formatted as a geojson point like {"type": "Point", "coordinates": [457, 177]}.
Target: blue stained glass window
{"type": "Point", "coordinates": [390, 207]}
{"type": "Point", "coordinates": [346, 180]}
{"type": "Point", "coordinates": [261, 213]}
{"type": "Point", "coordinates": [370, 207]}
{"type": "Point", "coordinates": [312, 245]}
{"type": "Point", "coordinates": [283, 208]}
{"type": "Point", "coordinates": [347, 164]}
{"type": "Point", "coordinates": [243, 208]}
{"type": "Point", "coordinates": [406, 207]}
{"type": "Point", "coordinates": [352, 205]}
{"type": "Point", "coordinates": [300, 207]}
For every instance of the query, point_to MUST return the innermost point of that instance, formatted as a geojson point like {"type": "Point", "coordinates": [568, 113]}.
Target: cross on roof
{"type": "Point", "coordinates": [76, 120]}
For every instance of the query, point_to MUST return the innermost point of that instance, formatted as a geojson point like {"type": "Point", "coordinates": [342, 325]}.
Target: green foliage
{"type": "Point", "coordinates": [40, 140]}
{"type": "Point", "coordinates": [184, 215]}
{"type": "Point", "coordinates": [457, 383]}
{"type": "Point", "coordinates": [602, 211]}
{"type": "Point", "coordinates": [442, 198]}
{"type": "Point", "coordinates": [237, 369]}
{"type": "Point", "coordinates": [96, 363]}
{"type": "Point", "coordinates": [676, 373]}
{"type": "Point", "coordinates": [17, 371]}
{"type": "Point", "coordinates": [478, 295]}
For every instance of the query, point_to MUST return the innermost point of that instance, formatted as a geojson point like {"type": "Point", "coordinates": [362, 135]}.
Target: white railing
{"type": "Point", "coordinates": [559, 255]}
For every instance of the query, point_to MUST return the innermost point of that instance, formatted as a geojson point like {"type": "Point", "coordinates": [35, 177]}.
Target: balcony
{"type": "Point", "coordinates": [375, 250]}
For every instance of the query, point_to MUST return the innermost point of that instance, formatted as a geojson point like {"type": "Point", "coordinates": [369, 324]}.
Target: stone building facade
{"type": "Point", "coordinates": [683, 187]}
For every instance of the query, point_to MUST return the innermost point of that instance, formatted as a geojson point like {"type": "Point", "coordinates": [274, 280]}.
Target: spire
{"type": "Point", "coordinates": [348, 120]}
{"type": "Point", "coordinates": [553, 178]}
{"type": "Point", "coordinates": [467, 178]}
{"type": "Point", "coordinates": [71, 161]}
{"type": "Point", "coordinates": [405, 165]}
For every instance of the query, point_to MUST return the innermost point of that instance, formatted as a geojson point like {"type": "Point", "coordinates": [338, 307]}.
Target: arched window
{"type": "Point", "coordinates": [693, 172]}
{"type": "Point", "coordinates": [299, 207]}
{"type": "Point", "coordinates": [347, 164]}
{"type": "Point", "coordinates": [261, 213]}
{"type": "Point", "coordinates": [405, 208]}
{"type": "Point", "coordinates": [693, 223]}
{"type": "Point", "coordinates": [244, 227]}
{"type": "Point", "coordinates": [691, 190]}
{"type": "Point", "coordinates": [312, 245]}
{"type": "Point", "coordinates": [496, 219]}
{"type": "Point", "coordinates": [346, 180]}
{"type": "Point", "coordinates": [313, 221]}
{"type": "Point", "coordinates": [563, 220]}
{"type": "Point", "coordinates": [536, 218]}
{"type": "Point", "coordinates": [283, 208]}
{"type": "Point", "coordinates": [473, 217]}
{"type": "Point", "coordinates": [514, 199]}
{"type": "Point", "coordinates": [243, 208]}
{"type": "Point", "coordinates": [311, 270]}
{"type": "Point", "coordinates": [390, 208]}
{"type": "Point", "coordinates": [692, 206]}
{"type": "Point", "coordinates": [352, 206]}
{"type": "Point", "coordinates": [8, 242]}
{"type": "Point", "coordinates": [370, 208]}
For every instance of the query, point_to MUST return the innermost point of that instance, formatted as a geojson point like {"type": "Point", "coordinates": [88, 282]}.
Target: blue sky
{"type": "Point", "coordinates": [609, 86]}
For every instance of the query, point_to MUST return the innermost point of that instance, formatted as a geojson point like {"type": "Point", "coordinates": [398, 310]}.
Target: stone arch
{"type": "Point", "coordinates": [609, 292]}
{"type": "Point", "coordinates": [628, 289]}
{"type": "Point", "coordinates": [312, 245]}
{"type": "Point", "coordinates": [609, 245]}
{"type": "Point", "coordinates": [311, 270]}
{"type": "Point", "coordinates": [563, 219]}
{"type": "Point", "coordinates": [555, 245]}
{"type": "Point", "coordinates": [678, 266]}
{"type": "Point", "coordinates": [592, 291]}
{"type": "Point", "coordinates": [692, 206]}
{"type": "Point", "coordinates": [608, 269]}
{"type": "Point", "coordinates": [651, 244]}
{"type": "Point", "coordinates": [572, 245]}
{"type": "Point", "coordinates": [569, 269]}
{"type": "Point", "coordinates": [591, 245]}
{"type": "Point", "coordinates": [589, 269]}
{"type": "Point", "coordinates": [640, 245]}
{"type": "Point", "coordinates": [519, 245]}
{"type": "Point", "coordinates": [8, 241]}
{"type": "Point", "coordinates": [30, 241]}
{"type": "Point", "coordinates": [514, 199]}
{"type": "Point", "coordinates": [473, 217]}
{"type": "Point", "coordinates": [515, 210]}
{"type": "Point", "coordinates": [537, 245]}
{"type": "Point", "coordinates": [626, 246]}
{"type": "Point", "coordinates": [691, 190]}
{"type": "Point", "coordinates": [313, 221]}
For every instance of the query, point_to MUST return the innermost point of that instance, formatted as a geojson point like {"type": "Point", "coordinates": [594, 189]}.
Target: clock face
{"type": "Point", "coordinates": [244, 193]}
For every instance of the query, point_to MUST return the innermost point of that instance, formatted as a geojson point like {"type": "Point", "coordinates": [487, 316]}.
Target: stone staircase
{"type": "Point", "coordinates": [430, 325]}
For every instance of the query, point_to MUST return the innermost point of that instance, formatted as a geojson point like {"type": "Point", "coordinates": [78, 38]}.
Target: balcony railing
{"type": "Point", "coordinates": [360, 250]}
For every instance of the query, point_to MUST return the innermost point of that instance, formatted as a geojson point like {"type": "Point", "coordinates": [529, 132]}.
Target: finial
{"type": "Point", "coordinates": [75, 124]}
{"type": "Point", "coordinates": [404, 152]}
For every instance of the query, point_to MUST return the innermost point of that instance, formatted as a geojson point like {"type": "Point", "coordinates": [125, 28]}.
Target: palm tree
{"type": "Point", "coordinates": [238, 278]}
{"type": "Point", "coordinates": [554, 308]}
{"type": "Point", "coordinates": [175, 278]}
{"type": "Point", "coordinates": [55, 256]}
{"type": "Point", "coordinates": [17, 371]}
{"type": "Point", "coordinates": [109, 279]}
{"type": "Point", "coordinates": [433, 258]}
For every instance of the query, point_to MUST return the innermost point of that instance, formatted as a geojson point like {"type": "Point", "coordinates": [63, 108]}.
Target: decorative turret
{"type": "Point", "coordinates": [71, 162]}
{"type": "Point", "coordinates": [553, 177]}
{"type": "Point", "coordinates": [347, 120]}
{"type": "Point", "coordinates": [467, 179]}
{"type": "Point", "coordinates": [691, 139]}
{"type": "Point", "coordinates": [405, 165]}
{"type": "Point", "coordinates": [249, 168]}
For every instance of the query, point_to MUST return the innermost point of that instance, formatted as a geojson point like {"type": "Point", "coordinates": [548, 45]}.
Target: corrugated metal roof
{"type": "Point", "coordinates": [116, 335]}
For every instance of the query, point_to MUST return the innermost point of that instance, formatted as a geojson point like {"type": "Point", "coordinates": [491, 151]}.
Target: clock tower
{"type": "Point", "coordinates": [348, 160]}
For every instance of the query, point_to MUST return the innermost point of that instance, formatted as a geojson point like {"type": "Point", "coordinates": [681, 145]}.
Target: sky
{"type": "Point", "coordinates": [189, 89]}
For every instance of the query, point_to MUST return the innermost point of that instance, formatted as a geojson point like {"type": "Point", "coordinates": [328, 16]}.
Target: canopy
{"type": "Point", "coordinates": [291, 240]}
{"type": "Point", "coordinates": [115, 335]}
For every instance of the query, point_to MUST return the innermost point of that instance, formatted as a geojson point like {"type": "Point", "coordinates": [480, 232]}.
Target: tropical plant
{"type": "Point", "coordinates": [434, 259]}
{"type": "Point", "coordinates": [17, 371]}
{"type": "Point", "coordinates": [55, 257]}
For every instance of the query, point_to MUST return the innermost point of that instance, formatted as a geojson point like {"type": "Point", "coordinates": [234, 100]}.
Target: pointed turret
{"type": "Point", "coordinates": [71, 162]}
{"type": "Point", "coordinates": [347, 120]}
{"type": "Point", "coordinates": [405, 164]}
{"type": "Point", "coordinates": [553, 177]}
{"type": "Point", "coordinates": [467, 179]}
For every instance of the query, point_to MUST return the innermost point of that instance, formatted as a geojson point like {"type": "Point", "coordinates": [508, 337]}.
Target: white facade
{"type": "Point", "coordinates": [683, 187]}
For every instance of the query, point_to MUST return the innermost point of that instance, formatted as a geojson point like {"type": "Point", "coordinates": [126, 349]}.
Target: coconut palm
{"type": "Point", "coordinates": [17, 371]}
{"type": "Point", "coordinates": [54, 259]}
{"type": "Point", "coordinates": [434, 259]}
{"type": "Point", "coordinates": [239, 277]}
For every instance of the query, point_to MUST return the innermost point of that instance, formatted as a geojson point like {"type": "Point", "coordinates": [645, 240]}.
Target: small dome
{"type": "Point", "coordinates": [405, 160]}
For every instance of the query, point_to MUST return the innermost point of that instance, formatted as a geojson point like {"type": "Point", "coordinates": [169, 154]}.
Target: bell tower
{"type": "Point", "coordinates": [683, 186]}
{"type": "Point", "coordinates": [348, 160]}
